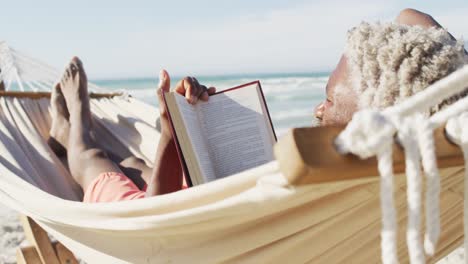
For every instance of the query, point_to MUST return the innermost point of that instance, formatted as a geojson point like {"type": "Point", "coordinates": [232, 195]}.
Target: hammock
{"type": "Point", "coordinates": [257, 216]}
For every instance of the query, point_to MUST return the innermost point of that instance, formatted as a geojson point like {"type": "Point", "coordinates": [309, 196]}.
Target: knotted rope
{"type": "Point", "coordinates": [425, 135]}
{"type": "Point", "coordinates": [408, 139]}
{"type": "Point", "coordinates": [457, 131]}
{"type": "Point", "coordinates": [371, 133]}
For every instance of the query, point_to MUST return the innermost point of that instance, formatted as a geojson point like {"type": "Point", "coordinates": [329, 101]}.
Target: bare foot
{"type": "Point", "coordinates": [60, 127]}
{"type": "Point", "coordinates": [74, 85]}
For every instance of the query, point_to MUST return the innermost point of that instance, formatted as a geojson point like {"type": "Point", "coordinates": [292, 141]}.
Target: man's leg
{"type": "Point", "coordinates": [136, 169]}
{"type": "Point", "coordinates": [85, 160]}
{"type": "Point", "coordinates": [60, 126]}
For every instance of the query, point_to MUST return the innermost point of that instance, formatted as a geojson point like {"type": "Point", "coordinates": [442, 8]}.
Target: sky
{"type": "Point", "coordinates": [122, 39]}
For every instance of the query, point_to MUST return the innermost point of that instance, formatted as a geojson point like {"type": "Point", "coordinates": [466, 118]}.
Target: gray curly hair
{"type": "Point", "coordinates": [389, 62]}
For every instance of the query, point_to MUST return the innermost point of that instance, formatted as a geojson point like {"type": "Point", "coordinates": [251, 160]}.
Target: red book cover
{"type": "Point", "coordinates": [174, 134]}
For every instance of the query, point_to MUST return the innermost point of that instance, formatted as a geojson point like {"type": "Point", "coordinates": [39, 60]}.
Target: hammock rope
{"type": "Point", "coordinates": [27, 72]}
{"type": "Point", "coordinates": [457, 131]}
{"type": "Point", "coordinates": [372, 135]}
{"type": "Point", "coordinates": [406, 136]}
{"type": "Point", "coordinates": [425, 137]}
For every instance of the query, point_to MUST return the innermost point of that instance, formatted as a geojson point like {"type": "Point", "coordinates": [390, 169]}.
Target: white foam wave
{"type": "Point", "coordinates": [292, 114]}
{"type": "Point", "coordinates": [274, 86]}
{"type": "Point", "coordinates": [277, 85]}
{"type": "Point", "coordinates": [290, 100]}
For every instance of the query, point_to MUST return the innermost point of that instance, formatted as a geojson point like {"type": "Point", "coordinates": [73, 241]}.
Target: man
{"type": "Point", "coordinates": [383, 64]}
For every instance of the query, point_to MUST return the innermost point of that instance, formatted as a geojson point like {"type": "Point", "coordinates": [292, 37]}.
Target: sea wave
{"type": "Point", "coordinates": [290, 99]}
{"type": "Point", "coordinates": [292, 114]}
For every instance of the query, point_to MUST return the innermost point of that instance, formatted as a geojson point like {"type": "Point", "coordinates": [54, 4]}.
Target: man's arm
{"type": "Point", "coordinates": [167, 170]}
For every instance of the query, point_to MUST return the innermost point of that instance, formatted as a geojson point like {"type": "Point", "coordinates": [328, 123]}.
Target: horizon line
{"type": "Point", "coordinates": [227, 76]}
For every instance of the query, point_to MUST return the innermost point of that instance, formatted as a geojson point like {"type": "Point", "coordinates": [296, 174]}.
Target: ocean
{"type": "Point", "coordinates": [291, 98]}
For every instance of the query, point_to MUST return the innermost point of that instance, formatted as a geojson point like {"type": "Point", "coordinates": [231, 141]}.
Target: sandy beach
{"type": "Point", "coordinates": [11, 235]}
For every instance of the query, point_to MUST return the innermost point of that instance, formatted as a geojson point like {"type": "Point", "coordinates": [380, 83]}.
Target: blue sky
{"type": "Point", "coordinates": [120, 39]}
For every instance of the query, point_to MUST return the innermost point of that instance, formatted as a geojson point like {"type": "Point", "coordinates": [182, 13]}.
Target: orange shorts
{"type": "Point", "coordinates": [113, 187]}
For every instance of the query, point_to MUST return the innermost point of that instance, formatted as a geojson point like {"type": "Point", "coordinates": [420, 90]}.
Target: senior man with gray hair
{"type": "Point", "coordinates": [385, 63]}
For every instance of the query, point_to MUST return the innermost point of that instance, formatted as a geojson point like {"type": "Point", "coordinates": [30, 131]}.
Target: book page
{"type": "Point", "coordinates": [190, 119]}
{"type": "Point", "coordinates": [235, 130]}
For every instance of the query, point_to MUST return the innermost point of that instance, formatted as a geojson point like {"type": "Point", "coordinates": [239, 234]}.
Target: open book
{"type": "Point", "coordinates": [230, 133]}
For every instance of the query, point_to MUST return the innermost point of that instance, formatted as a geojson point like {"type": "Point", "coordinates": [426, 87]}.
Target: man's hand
{"type": "Point", "coordinates": [167, 171]}
{"type": "Point", "coordinates": [188, 87]}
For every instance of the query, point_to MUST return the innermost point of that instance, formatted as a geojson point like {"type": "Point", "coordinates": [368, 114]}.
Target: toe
{"type": "Point", "coordinates": [58, 103]}
{"type": "Point", "coordinates": [54, 92]}
{"type": "Point", "coordinates": [63, 81]}
{"type": "Point", "coordinates": [75, 66]}
{"type": "Point", "coordinates": [73, 71]}
{"type": "Point", "coordinates": [68, 75]}
{"type": "Point", "coordinates": [58, 89]}
{"type": "Point", "coordinates": [76, 61]}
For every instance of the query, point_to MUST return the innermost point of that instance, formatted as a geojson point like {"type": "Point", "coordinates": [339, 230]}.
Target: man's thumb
{"type": "Point", "coordinates": [164, 81]}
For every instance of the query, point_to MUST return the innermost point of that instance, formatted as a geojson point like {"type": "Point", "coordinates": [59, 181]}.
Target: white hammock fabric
{"type": "Point", "coordinates": [251, 217]}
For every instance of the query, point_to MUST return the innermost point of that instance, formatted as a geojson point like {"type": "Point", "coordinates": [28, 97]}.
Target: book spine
{"type": "Point", "coordinates": [177, 144]}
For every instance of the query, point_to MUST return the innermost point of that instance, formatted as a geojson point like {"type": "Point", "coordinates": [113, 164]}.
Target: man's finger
{"type": "Point", "coordinates": [193, 90]}
{"type": "Point", "coordinates": [180, 88]}
{"type": "Point", "coordinates": [205, 96]}
{"type": "Point", "coordinates": [163, 86]}
{"type": "Point", "coordinates": [198, 89]}
{"type": "Point", "coordinates": [164, 81]}
{"type": "Point", "coordinates": [189, 90]}
{"type": "Point", "coordinates": [186, 88]}
{"type": "Point", "coordinates": [211, 90]}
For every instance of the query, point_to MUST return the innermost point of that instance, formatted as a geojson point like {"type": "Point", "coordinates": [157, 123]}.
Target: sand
{"type": "Point", "coordinates": [11, 235]}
